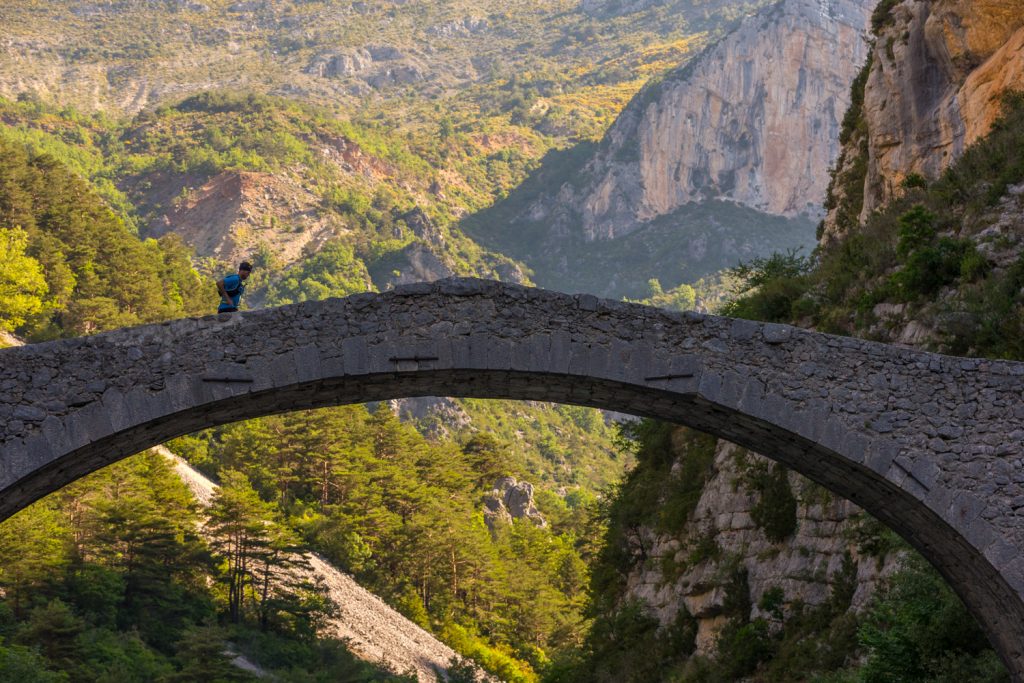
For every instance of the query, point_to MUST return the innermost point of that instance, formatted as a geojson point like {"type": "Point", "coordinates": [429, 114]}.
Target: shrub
{"type": "Point", "coordinates": [775, 510]}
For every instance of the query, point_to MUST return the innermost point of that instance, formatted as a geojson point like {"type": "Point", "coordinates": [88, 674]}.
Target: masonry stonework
{"type": "Point", "coordinates": [931, 445]}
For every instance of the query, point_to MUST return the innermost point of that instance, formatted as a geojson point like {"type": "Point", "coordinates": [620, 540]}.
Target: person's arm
{"type": "Point", "coordinates": [224, 293]}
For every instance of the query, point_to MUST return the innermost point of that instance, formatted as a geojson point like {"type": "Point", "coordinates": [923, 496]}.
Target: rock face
{"type": "Point", "coordinates": [938, 71]}
{"type": "Point", "coordinates": [755, 120]}
{"type": "Point", "coordinates": [509, 500]}
{"type": "Point", "coordinates": [235, 212]}
{"type": "Point", "coordinates": [804, 566]}
{"type": "Point", "coordinates": [379, 65]}
{"type": "Point", "coordinates": [435, 417]}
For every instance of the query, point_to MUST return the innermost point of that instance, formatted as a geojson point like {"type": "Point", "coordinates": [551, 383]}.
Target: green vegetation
{"type": "Point", "coordinates": [919, 630]}
{"type": "Point", "coordinates": [845, 193]}
{"type": "Point", "coordinates": [22, 285]}
{"type": "Point", "coordinates": [915, 629]}
{"type": "Point", "coordinates": [404, 516]}
{"type": "Point", "coordinates": [775, 510]}
{"type": "Point", "coordinates": [402, 513]}
{"type": "Point", "coordinates": [626, 643]}
{"type": "Point", "coordinates": [552, 444]}
{"type": "Point", "coordinates": [332, 271]}
{"type": "Point", "coordinates": [920, 252]}
{"type": "Point", "coordinates": [97, 274]}
{"type": "Point", "coordinates": [882, 15]}
{"type": "Point", "coordinates": [108, 580]}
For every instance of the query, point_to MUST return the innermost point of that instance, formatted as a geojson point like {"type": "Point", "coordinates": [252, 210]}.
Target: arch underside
{"type": "Point", "coordinates": [986, 593]}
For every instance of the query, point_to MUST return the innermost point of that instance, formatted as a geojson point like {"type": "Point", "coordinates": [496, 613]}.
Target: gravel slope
{"type": "Point", "coordinates": [373, 630]}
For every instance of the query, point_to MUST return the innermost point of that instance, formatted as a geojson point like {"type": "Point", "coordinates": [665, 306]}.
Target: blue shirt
{"type": "Point", "coordinates": [234, 287]}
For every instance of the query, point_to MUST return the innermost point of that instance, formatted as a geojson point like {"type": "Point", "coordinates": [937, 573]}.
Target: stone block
{"type": "Point", "coordinates": [531, 354]}
{"type": "Point", "coordinates": [880, 455]}
{"type": "Point", "coordinates": [117, 409]}
{"type": "Point", "coordinates": [561, 349]}
{"type": "Point", "coordinates": [413, 289]}
{"type": "Point", "coordinates": [598, 362]}
{"type": "Point", "coordinates": [382, 355]}
{"type": "Point", "coordinates": [579, 358]}
{"type": "Point", "coordinates": [28, 413]}
{"type": "Point", "coordinates": [965, 508]}
{"type": "Point", "coordinates": [479, 346]}
{"type": "Point", "coordinates": [710, 387]}
{"type": "Point", "coordinates": [499, 354]}
{"type": "Point", "coordinates": [355, 352]}
{"type": "Point", "coordinates": [87, 425]}
{"type": "Point", "coordinates": [307, 361]}
{"type": "Point", "coordinates": [743, 330]}
{"type": "Point", "coordinates": [587, 302]}
{"type": "Point", "coordinates": [773, 333]}
{"type": "Point", "coordinates": [458, 286]}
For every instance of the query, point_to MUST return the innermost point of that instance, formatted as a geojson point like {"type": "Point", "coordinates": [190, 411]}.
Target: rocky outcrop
{"type": "Point", "coordinates": [509, 500]}
{"type": "Point", "coordinates": [434, 417]}
{"type": "Point", "coordinates": [465, 26]}
{"type": "Point", "coordinates": [755, 120]}
{"type": "Point", "coordinates": [340, 64]}
{"type": "Point", "coordinates": [379, 66]}
{"type": "Point", "coordinates": [721, 537]}
{"type": "Point", "coordinates": [232, 214]}
{"type": "Point", "coordinates": [938, 71]}
{"type": "Point", "coordinates": [416, 262]}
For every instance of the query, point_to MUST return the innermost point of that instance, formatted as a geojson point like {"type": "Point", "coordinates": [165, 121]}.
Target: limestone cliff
{"type": "Point", "coordinates": [937, 72]}
{"type": "Point", "coordinates": [722, 160]}
{"type": "Point", "coordinates": [691, 567]}
{"type": "Point", "coordinates": [755, 120]}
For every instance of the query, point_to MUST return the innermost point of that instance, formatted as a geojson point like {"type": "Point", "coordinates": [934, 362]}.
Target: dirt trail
{"type": "Point", "coordinates": [374, 631]}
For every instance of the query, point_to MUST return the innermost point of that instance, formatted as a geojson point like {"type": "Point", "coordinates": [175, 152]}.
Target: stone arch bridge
{"type": "Point", "coordinates": [931, 445]}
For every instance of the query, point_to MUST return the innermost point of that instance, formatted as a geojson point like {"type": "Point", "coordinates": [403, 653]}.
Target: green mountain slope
{"type": "Point", "coordinates": [398, 486]}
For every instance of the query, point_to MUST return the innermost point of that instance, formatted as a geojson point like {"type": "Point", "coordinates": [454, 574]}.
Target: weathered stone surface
{"type": "Point", "coordinates": [692, 565]}
{"type": "Point", "coordinates": [511, 499]}
{"type": "Point", "coordinates": [938, 74]}
{"type": "Point", "coordinates": [881, 426]}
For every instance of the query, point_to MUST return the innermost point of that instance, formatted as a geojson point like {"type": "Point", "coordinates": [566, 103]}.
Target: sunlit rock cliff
{"type": "Point", "coordinates": [937, 72]}
{"type": "Point", "coordinates": [724, 159]}
{"type": "Point", "coordinates": [755, 120]}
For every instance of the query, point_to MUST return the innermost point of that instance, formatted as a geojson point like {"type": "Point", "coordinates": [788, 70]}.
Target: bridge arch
{"type": "Point", "coordinates": [931, 445]}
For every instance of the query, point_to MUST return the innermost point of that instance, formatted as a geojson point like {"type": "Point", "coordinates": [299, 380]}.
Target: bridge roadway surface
{"type": "Point", "coordinates": [931, 445]}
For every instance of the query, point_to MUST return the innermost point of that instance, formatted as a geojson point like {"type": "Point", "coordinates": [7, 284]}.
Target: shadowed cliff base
{"type": "Point", "coordinates": [693, 242]}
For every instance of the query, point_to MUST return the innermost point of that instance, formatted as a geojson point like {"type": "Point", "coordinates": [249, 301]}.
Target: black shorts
{"type": "Point", "coordinates": [227, 310]}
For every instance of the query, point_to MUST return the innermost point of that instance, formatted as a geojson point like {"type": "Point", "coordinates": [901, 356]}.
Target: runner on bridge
{"type": "Point", "coordinates": [232, 287]}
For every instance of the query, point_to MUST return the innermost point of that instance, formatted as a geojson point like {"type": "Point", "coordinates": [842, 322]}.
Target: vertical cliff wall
{"type": "Point", "coordinates": [755, 119]}
{"type": "Point", "coordinates": [783, 534]}
{"type": "Point", "coordinates": [938, 70]}
{"type": "Point", "coordinates": [723, 160]}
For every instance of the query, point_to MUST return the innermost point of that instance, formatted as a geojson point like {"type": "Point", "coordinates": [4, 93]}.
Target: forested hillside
{"type": "Point", "coordinates": [70, 264]}
{"type": "Point", "coordinates": [404, 516]}
{"type": "Point", "coordinates": [403, 513]}
{"type": "Point", "coordinates": [109, 580]}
